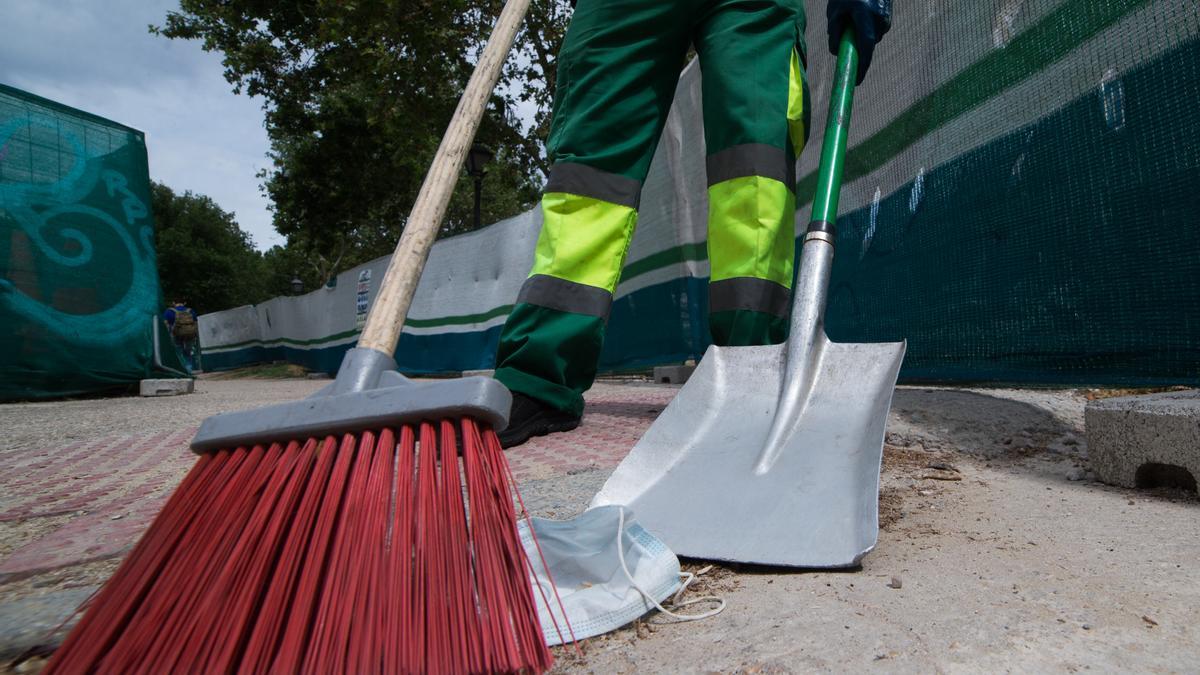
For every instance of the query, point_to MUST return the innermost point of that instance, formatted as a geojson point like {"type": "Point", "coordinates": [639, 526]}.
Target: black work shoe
{"type": "Point", "coordinates": [530, 417]}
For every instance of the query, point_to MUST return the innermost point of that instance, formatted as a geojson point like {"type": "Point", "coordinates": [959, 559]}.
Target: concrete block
{"type": "Point", "coordinates": [673, 374]}
{"type": "Point", "coordinates": [1146, 441]}
{"type": "Point", "coordinates": [172, 387]}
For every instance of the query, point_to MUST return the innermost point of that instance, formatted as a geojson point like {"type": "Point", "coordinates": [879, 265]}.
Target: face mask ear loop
{"type": "Point", "coordinates": [688, 577]}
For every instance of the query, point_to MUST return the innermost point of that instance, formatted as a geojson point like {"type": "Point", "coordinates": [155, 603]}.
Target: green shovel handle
{"type": "Point", "coordinates": [837, 128]}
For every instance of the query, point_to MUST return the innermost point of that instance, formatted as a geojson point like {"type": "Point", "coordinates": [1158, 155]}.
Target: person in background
{"type": "Point", "coordinates": [181, 321]}
{"type": "Point", "coordinates": [617, 72]}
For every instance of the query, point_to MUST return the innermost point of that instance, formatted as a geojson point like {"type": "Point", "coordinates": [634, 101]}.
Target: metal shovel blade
{"type": "Point", "coordinates": [697, 478]}
{"type": "Point", "coordinates": [771, 455]}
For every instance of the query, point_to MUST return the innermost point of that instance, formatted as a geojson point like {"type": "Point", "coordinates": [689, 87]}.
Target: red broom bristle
{"type": "Point", "coordinates": [384, 552]}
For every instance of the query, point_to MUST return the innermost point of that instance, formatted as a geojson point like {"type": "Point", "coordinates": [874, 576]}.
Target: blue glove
{"type": "Point", "coordinates": [870, 19]}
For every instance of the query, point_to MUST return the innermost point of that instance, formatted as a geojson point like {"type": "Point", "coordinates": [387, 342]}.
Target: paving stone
{"type": "Point", "coordinates": [165, 387]}
{"type": "Point", "coordinates": [112, 487]}
{"type": "Point", "coordinates": [614, 418]}
{"type": "Point", "coordinates": [1146, 441]}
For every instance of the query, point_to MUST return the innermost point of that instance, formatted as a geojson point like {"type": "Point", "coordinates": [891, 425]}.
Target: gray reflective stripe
{"type": "Point", "coordinates": [757, 295]}
{"type": "Point", "coordinates": [544, 290]}
{"type": "Point", "coordinates": [585, 181]}
{"type": "Point", "coordinates": [751, 159]}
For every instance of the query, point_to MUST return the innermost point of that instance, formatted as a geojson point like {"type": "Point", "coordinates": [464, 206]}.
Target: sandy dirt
{"type": "Point", "coordinates": [997, 554]}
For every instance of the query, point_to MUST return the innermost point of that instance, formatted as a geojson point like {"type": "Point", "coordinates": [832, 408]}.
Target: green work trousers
{"type": "Point", "coordinates": [617, 73]}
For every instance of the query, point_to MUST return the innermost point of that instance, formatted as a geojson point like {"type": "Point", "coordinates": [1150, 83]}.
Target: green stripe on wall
{"type": "Point", "coordinates": [290, 341]}
{"type": "Point", "coordinates": [315, 341]}
{"type": "Point", "coordinates": [461, 320]}
{"type": "Point", "coordinates": [671, 256]}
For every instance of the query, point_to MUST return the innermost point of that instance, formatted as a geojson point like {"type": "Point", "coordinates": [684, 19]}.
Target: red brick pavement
{"type": "Point", "coordinates": [615, 418]}
{"type": "Point", "coordinates": [115, 485]}
{"type": "Point", "coordinates": [90, 475]}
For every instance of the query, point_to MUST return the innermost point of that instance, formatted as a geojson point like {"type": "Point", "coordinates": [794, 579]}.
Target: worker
{"type": "Point", "coordinates": [181, 322]}
{"type": "Point", "coordinates": [617, 71]}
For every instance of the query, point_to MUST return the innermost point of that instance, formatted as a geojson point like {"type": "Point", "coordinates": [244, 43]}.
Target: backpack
{"type": "Point", "coordinates": [185, 325]}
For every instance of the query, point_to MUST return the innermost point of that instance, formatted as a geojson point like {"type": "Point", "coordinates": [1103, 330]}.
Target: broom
{"type": "Point", "coordinates": [369, 528]}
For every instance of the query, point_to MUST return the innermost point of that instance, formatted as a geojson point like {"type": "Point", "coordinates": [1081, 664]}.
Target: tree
{"type": "Point", "coordinates": [282, 264]}
{"type": "Point", "coordinates": [203, 255]}
{"type": "Point", "coordinates": [357, 96]}
{"type": "Point", "coordinates": [532, 71]}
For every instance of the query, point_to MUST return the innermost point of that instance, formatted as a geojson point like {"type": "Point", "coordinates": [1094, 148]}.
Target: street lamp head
{"type": "Point", "coordinates": [477, 158]}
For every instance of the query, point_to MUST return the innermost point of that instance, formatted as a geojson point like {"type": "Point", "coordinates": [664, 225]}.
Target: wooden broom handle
{"type": "Point", "coordinates": [388, 312]}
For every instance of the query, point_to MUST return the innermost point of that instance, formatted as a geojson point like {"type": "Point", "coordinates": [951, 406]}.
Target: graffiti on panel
{"type": "Point", "coordinates": [62, 211]}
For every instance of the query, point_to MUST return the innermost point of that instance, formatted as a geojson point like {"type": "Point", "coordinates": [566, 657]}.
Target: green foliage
{"type": "Point", "coordinates": [281, 264]}
{"type": "Point", "coordinates": [357, 95]}
{"type": "Point", "coordinates": [531, 72]}
{"type": "Point", "coordinates": [203, 256]}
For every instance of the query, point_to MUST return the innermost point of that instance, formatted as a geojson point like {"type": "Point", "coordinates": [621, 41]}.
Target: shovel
{"type": "Point", "coordinates": [771, 455]}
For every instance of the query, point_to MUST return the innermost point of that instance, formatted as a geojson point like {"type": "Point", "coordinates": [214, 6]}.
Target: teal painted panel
{"type": "Point", "coordinates": [79, 287]}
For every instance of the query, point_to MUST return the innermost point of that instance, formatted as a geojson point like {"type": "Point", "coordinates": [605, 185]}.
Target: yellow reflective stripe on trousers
{"type": "Point", "coordinates": [583, 240]}
{"type": "Point", "coordinates": [751, 230]}
{"type": "Point", "coordinates": [795, 110]}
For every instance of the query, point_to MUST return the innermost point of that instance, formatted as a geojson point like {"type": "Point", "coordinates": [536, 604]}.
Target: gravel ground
{"type": "Point", "coordinates": [997, 550]}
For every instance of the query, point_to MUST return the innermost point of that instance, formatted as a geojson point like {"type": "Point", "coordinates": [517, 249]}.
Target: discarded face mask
{"type": "Point", "coordinates": [601, 586]}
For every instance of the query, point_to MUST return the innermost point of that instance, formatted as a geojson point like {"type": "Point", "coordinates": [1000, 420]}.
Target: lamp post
{"type": "Point", "coordinates": [477, 159]}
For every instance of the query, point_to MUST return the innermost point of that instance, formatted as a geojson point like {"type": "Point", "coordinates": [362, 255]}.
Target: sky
{"type": "Point", "coordinates": [100, 57]}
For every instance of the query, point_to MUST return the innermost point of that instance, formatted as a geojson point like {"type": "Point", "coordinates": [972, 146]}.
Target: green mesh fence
{"type": "Point", "coordinates": [79, 295]}
{"type": "Point", "coordinates": [1034, 216]}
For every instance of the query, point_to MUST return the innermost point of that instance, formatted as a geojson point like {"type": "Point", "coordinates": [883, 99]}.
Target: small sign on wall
{"type": "Point", "coordinates": [362, 298]}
